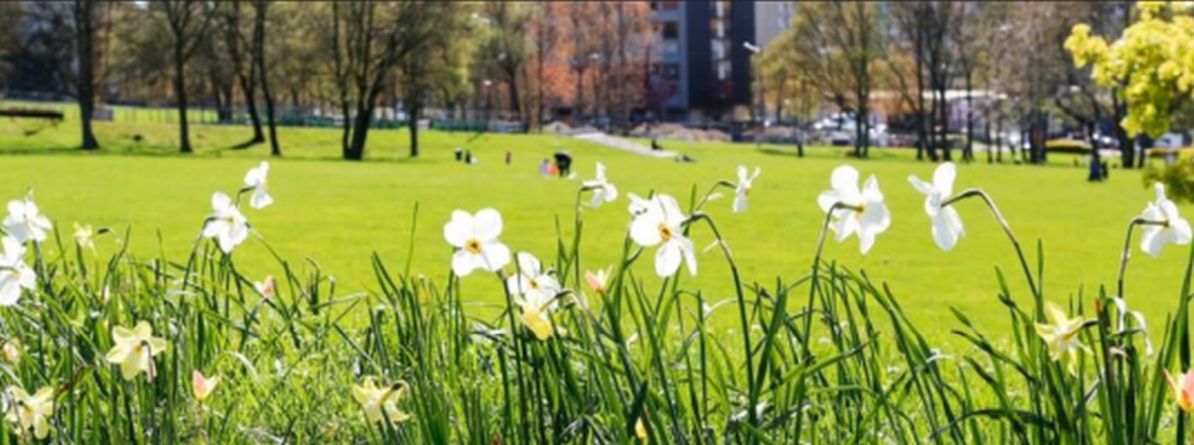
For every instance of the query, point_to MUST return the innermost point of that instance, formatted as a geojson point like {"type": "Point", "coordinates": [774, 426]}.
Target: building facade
{"type": "Point", "coordinates": [703, 72]}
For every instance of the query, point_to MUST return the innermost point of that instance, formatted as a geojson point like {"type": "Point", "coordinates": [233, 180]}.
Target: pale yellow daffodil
{"type": "Point", "coordinates": [31, 413]}
{"type": "Point", "coordinates": [1061, 335]}
{"type": "Point", "coordinates": [381, 403]}
{"type": "Point", "coordinates": [134, 350]}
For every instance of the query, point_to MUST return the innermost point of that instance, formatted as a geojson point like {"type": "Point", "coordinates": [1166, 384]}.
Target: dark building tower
{"type": "Point", "coordinates": [702, 72]}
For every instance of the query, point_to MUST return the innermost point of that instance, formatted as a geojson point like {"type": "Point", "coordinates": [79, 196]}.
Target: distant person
{"type": "Point", "coordinates": [468, 157]}
{"type": "Point", "coordinates": [545, 167]}
{"type": "Point", "coordinates": [509, 157]}
{"type": "Point", "coordinates": [655, 144]}
{"type": "Point", "coordinates": [563, 163]}
{"type": "Point", "coordinates": [459, 154]}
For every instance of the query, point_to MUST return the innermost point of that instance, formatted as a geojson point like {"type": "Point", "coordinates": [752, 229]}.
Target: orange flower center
{"type": "Point", "coordinates": [665, 232]}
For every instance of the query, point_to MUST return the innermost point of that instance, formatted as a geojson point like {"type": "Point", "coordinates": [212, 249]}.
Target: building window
{"type": "Point", "coordinates": [671, 71]}
{"type": "Point", "coordinates": [671, 30]}
{"type": "Point", "coordinates": [723, 70]}
{"type": "Point", "coordinates": [671, 47]}
{"type": "Point", "coordinates": [719, 49]}
{"type": "Point", "coordinates": [718, 27]}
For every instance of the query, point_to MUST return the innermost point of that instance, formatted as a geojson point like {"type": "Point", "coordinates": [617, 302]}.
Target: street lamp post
{"type": "Point", "coordinates": [762, 113]}
{"type": "Point", "coordinates": [485, 84]}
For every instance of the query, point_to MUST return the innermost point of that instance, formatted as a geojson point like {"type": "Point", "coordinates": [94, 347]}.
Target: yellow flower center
{"type": "Point", "coordinates": [473, 246]}
{"type": "Point", "coordinates": [665, 232]}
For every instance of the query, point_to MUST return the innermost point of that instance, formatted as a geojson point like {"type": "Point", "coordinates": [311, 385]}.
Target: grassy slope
{"type": "Point", "coordinates": [338, 212]}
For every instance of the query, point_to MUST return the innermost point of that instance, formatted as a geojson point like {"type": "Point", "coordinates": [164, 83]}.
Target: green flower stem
{"type": "Point", "coordinates": [1123, 259]}
{"type": "Point", "coordinates": [518, 351]}
{"type": "Point", "coordinates": [973, 192]}
{"type": "Point", "coordinates": [752, 390]}
{"type": "Point", "coordinates": [709, 194]}
{"type": "Point", "coordinates": [817, 263]}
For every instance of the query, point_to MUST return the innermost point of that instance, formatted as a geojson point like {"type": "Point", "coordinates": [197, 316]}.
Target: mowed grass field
{"type": "Point", "coordinates": [338, 213]}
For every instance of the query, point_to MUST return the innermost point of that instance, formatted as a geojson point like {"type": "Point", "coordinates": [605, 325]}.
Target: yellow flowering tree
{"type": "Point", "coordinates": [1154, 58]}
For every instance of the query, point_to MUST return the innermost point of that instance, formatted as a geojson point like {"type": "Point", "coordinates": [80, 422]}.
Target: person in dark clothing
{"type": "Point", "coordinates": [563, 163]}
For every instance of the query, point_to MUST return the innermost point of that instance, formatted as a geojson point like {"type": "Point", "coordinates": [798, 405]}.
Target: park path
{"type": "Point", "coordinates": [624, 145]}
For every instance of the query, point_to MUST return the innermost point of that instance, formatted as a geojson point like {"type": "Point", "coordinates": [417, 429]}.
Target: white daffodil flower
{"type": "Point", "coordinates": [31, 413]}
{"type": "Point", "coordinates": [658, 223]}
{"type": "Point", "coordinates": [603, 191]}
{"type": "Point", "coordinates": [24, 222]}
{"type": "Point", "coordinates": [742, 189]}
{"type": "Point", "coordinates": [1175, 230]}
{"type": "Point", "coordinates": [947, 225]}
{"type": "Point", "coordinates": [637, 205]}
{"type": "Point", "coordinates": [226, 224]}
{"type": "Point", "coordinates": [867, 217]}
{"type": "Point", "coordinates": [257, 180]}
{"type": "Point", "coordinates": [476, 241]}
{"type": "Point", "coordinates": [134, 350]}
{"type": "Point", "coordinates": [14, 273]}
{"type": "Point", "coordinates": [532, 283]}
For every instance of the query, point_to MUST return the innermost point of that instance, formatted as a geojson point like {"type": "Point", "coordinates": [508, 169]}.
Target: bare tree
{"type": "Point", "coordinates": [261, 9]}
{"type": "Point", "coordinates": [187, 21]}
{"type": "Point", "coordinates": [245, 75]}
{"type": "Point", "coordinates": [846, 40]}
{"type": "Point", "coordinates": [368, 40]}
{"type": "Point", "coordinates": [85, 21]}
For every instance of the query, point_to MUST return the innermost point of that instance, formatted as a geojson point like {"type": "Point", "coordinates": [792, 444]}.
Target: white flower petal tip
{"type": "Point", "coordinates": [475, 238]}
{"type": "Point", "coordinates": [226, 224]}
{"type": "Point", "coordinates": [860, 211]}
{"type": "Point", "coordinates": [25, 222]}
{"type": "Point", "coordinates": [743, 187]}
{"type": "Point", "coordinates": [603, 190]}
{"type": "Point", "coordinates": [947, 226]}
{"type": "Point", "coordinates": [658, 221]}
{"type": "Point", "coordinates": [15, 276]}
{"type": "Point", "coordinates": [1168, 226]}
{"type": "Point", "coordinates": [257, 181]}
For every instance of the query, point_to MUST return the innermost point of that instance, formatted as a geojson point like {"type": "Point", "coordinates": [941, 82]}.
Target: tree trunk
{"type": "Point", "coordinates": [999, 140]}
{"type": "Point", "coordinates": [248, 85]}
{"type": "Point", "coordinates": [262, 8]}
{"type": "Point", "coordinates": [180, 92]}
{"type": "Point", "coordinates": [414, 109]}
{"type": "Point", "coordinates": [1146, 143]}
{"type": "Point", "coordinates": [923, 145]}
{"type": "Point", "coordinates": [1096, 173]}
{"type": "Point", "coordinates": [968, 152]}
{"type": "Point", "coordinates": [512, 90]}
{"type": "Point", "coordinates": [85, 32]}
{"type": "Point", "coordinates": [987, 131]}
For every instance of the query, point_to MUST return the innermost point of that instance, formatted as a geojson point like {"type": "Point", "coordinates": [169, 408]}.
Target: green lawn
{"type": "Point", "coordinates": [337, 213]}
